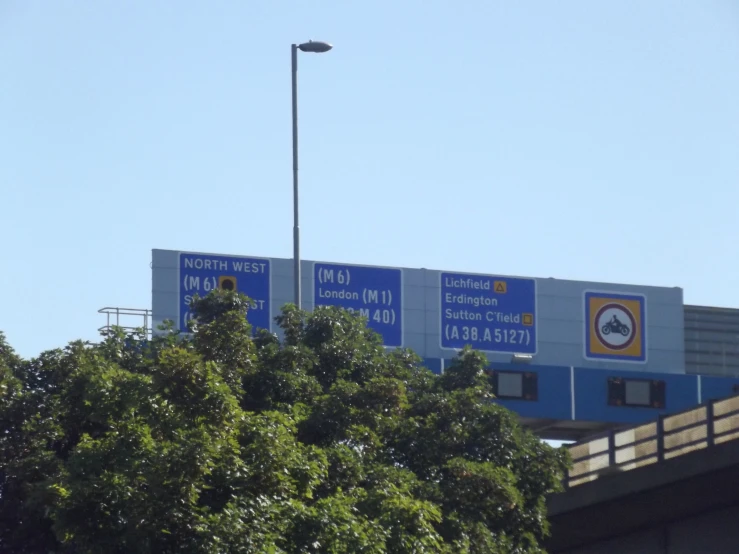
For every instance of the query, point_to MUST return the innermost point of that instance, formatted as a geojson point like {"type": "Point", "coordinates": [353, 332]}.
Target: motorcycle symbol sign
{"type": "Point", "coordinates": [615, 326]}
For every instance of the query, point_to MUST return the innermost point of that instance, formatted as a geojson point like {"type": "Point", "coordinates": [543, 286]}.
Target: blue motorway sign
{"type": "Point", "coordinates": [493, 314]}
{"type": "Point", "coordinates": [373, 292]}
{"type": "Point", "coordinates": [201, 273]}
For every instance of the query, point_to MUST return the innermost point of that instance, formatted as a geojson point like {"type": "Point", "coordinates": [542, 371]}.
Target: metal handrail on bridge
{"type": "Point", "coordinates": [669, 436]}
{"type": "Point", "coordinates": [114, 316]}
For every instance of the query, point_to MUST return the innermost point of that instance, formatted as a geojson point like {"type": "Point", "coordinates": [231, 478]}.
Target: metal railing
{"type": "Point", "coordinates": [125, 319]}
{"type": "Point", "coordinates": [649, 443]}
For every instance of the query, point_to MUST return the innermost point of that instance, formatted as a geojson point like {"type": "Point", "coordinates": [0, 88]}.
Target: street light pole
{"type": "Point", "coordinates": [296, 211]}
{"type": "Point", "coordinates": [315, 47]}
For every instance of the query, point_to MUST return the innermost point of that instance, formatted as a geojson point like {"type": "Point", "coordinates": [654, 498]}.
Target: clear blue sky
{"type": "Point", "coordinates": [576, 139]}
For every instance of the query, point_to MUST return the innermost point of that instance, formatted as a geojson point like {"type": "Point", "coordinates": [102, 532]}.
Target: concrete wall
{"type": "Point", "coordinates": [686, 503]}
{"type": "Point", "coordinates": [714, 532]}
{"type": "Point", "coordinates": [711, 340]}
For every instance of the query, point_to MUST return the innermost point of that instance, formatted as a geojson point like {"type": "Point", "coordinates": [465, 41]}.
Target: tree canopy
{"type": "Point", "coordinates": [219, 441]}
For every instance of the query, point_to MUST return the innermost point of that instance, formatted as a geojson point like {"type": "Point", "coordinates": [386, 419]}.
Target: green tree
{"type": "Point", "coordinates": [220, 441]}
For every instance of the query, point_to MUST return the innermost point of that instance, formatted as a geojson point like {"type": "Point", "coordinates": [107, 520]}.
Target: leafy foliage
{"type": "Point", "coordinates": [220, 441]}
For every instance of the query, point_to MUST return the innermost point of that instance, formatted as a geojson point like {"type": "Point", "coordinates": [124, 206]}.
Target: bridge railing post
{"type": "Point", "coordinates": [612, 448]}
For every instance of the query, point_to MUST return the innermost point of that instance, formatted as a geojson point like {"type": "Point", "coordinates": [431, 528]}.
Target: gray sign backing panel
{"type": "Point", "coordinates": [559, 315]}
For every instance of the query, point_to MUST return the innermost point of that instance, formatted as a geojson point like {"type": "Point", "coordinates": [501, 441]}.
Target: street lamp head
{"type": "Point", "coordinates": [315, 46]}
